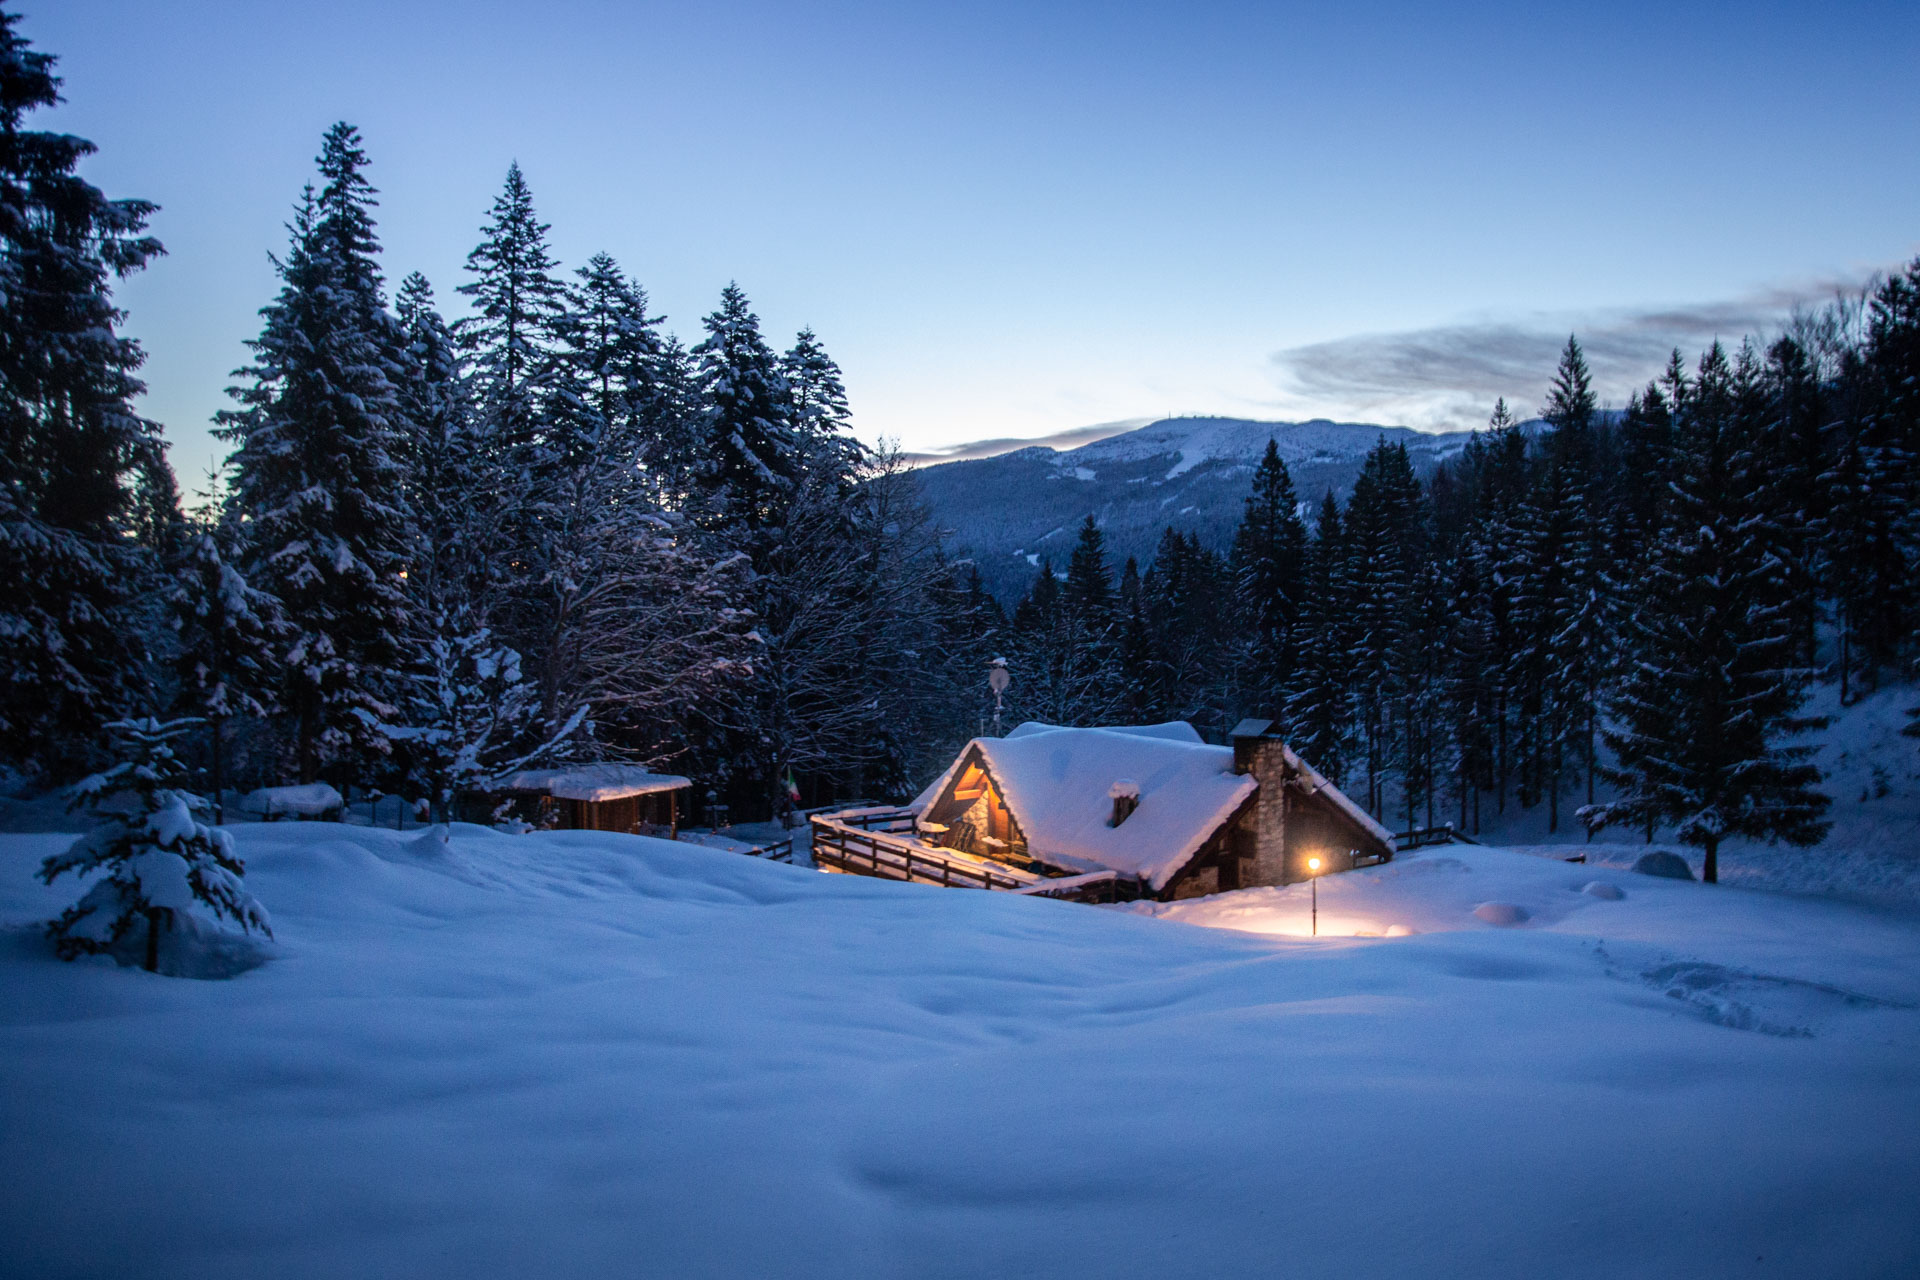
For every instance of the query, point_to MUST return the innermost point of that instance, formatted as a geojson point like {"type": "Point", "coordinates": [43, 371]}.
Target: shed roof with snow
{"type": "Point", "coordinates": [1060, 786]}
{"type": "Point", "coordinates": [593, 782]}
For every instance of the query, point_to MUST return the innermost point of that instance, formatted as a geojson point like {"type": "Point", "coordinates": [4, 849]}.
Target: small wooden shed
{"type": "Point", "coordinates": [597, 797]}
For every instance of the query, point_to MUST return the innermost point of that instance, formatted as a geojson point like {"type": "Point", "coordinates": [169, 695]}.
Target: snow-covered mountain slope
{"type": "Point", "coordinates": [1193, 473]}
{"type": "Point", "coordinates": [589, 1054]}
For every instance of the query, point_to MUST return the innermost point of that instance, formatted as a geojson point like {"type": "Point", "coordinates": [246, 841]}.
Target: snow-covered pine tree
{"type": "Point", "coordinates": [1187, 597]}
{"type": "Point", "coordinates": [1794, 436]}
{"type": "Point", "coordinates": [518, 304]}
{"type": "Point", "coordinates": [71, 645]}
{"type": "Point", "coordinates": [612, 351]}
{"type": "Point", "coordinates": [820, 414]}
{"type": "Point", "coordinates": [467, 715]}
{"type": "Point", "coordinates": [1319, 707]}
{"type": "Point", "coordinates": [1383, 535]}
{"type": "Point", "coordinates": [752, 459]}
{"type": "Point", "coordinates": [1714, 687]}
{"type": "Point", "coordinates": [1565, 601]}
{"type": "Point", "coordinates": [446, 485]}
{"type": "Point", "coordinates": [1873, 489]}
{"type": "Point", "coordinates": [228, 635]}
{"type": "Point", "coordinates": [317, 482]}
{"type": "Point", "coordinates": [1267, 563]}
{"type": "Point", "coordinates": [157, 857]}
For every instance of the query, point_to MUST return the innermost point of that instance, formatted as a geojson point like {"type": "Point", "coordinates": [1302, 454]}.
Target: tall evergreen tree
{"type": "Point", "coordinates": [1714, 687]}
{"type": "Point", "coordinates": [1319, 707]}
{"type": "Point", "coordinates": [819, 405]}
{"type": "Point", "coordinates": [752, 456]}
{"type": "Point", "coordinates": [1268, 563]}
{"type": "Point", "coordinates": [317, 481]}
{"type": "Point", "coordinates": [71, 446]}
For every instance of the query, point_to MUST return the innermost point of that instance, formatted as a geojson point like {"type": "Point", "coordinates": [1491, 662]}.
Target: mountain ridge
{"type": "Point", "coordinates": [1007, 511]}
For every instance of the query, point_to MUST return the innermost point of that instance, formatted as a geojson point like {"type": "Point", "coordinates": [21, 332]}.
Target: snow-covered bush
{"type": "Point", "coordinates": [158, 858]}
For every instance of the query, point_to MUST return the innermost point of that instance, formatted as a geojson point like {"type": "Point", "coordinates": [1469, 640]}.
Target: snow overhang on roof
{"type": "Point", "coordinates": [1057, 784]}
{"type": "Point", "coordinates": [1318, 785]}
{"type": "Point", "coordinates": [593, 782]}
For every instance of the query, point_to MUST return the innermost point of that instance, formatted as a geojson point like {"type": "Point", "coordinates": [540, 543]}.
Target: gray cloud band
{"type": "Point", "coordinates": [1449, 376]}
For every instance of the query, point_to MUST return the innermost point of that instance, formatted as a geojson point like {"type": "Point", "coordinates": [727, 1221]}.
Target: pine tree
{"type": "Point", "coordinates": [71, 447]}
{"type": "Point", "coordinates": [1319, 708]}
{"type": "Point", "coordinates": [1383, 531]}
{"type": "Point", "coordinates": [316, 479]}
{"type": "Point", "coordinates": [1873, 489]}
{"type": "Point", "coordinates": [159, 859]}
{"type": "Point", "coordinates": [821, 417]}
{"type": "Point", "coordinates": [752, 462]}
{"type": "Point", "coordinates": [1268, 562]}
{"type": "Point", "coordinates": [228, 634]}
{"type": "Point", "coordinates": [468, 716]}
{"type": "Point", "coordinates": [446, 484]}
{"type": "Point", "coordinates": [508, 341]}
{"type": "Point", "coordinates": [1714, 686]}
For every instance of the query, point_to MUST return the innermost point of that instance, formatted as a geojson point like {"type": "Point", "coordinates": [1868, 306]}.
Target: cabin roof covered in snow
{"type": "Point", "coordinates": [1057, 784]}
{"type": "Point", "coordinates": [1171, 730]}
{"type": "Point", "coordinates": [593, 782]}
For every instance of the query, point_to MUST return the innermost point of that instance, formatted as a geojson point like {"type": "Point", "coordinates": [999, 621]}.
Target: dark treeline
{"type": "Point", "coordinates": [1615, 616]}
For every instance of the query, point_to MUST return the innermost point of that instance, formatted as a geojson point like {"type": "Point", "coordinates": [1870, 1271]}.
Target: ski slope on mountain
{"type": "Point", "coordinates": [587, 1054]}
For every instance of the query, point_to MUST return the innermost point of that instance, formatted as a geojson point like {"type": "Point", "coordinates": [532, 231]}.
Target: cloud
{"type": "Point", "coordinates": [1007, 444]}
{"type": "Point", "coordinates": [1449, 377]}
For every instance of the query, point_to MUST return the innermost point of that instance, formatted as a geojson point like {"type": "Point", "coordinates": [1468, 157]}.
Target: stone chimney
{"type": "Point", "coordinates": [1125, 795]}
{"type": "Point", "coordinates": [1258, 750]}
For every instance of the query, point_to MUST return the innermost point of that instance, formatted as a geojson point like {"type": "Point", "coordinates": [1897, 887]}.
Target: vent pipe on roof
{"type": "Point", "coordinates": [1125, 795]}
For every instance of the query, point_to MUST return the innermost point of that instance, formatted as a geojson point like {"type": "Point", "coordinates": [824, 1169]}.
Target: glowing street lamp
{"type": "Point", "coordinates": [1313, 889]}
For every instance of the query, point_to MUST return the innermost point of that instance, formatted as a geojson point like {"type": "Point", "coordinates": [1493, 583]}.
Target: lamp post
{"type": "Point", "coordinates": [998, 678]}
{"type": "Point", "coordinates": [1313, 889]}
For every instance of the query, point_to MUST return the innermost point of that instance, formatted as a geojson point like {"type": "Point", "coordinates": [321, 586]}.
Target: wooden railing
{"type": "Point", "coordinates": [1421, 837]}
{"type": "Point", "coordinates": [890, 856]}
{"type": "Point", "coordinates": [1094, 887]}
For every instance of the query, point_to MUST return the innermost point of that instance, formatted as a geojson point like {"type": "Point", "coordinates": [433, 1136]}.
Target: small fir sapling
{"type": "Point", "coordinates": [159, 858]}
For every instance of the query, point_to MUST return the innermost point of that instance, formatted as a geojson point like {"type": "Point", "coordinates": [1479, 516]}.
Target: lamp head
{"type": "Point", "coordinates": [1313, 864]}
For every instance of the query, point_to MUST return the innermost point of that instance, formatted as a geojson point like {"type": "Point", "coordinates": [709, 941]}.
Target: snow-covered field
{"type": "Point", "coordinates": [580, 1055]}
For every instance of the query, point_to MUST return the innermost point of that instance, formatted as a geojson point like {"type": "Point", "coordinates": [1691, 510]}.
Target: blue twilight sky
{"type": "Point", "coordinates": [1013, 220]}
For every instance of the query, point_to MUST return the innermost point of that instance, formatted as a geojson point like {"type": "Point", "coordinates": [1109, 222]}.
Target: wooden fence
{"type": "Point", "coordinates": [879, 847]}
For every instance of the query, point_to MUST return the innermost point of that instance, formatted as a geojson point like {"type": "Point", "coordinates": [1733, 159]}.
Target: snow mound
{"type": "Point", "coordinates": [1601, 889]}
{"type": "Point", "coordinates": [1667, 866]}
{"type": "Point", "coordinates": [311, 800]}
{"type": "Point", "coordinates": [1502, 913]}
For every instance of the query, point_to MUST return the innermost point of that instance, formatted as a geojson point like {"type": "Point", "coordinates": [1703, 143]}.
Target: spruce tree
{"type": "Point", "coordinates": [518, 304]}
{"type": "Point", "coordinates": [446, 484]}
{"type": "Point", "coordinates": [1319, 708]}
{"type": "Point", "coordinates": [228, 636]}
{"type": "Point", "coordinates": [1268, 562]}
{"type": "Point", "coordinates": [317, 481]}
{"type": "Point", "coordinates": [752, 456]}
{"type": "Point", "coordinates": [159, 860]}
{"type": "Point", "coordinates": [71, 447]}
{"type": "Point", "coordinates": [821, 417]}
{"type": "Point", "coordinates": [1714, 688]}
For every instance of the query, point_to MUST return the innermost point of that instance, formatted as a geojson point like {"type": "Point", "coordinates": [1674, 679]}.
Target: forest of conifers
{"type": "Point", "coordinates": [549, 530]}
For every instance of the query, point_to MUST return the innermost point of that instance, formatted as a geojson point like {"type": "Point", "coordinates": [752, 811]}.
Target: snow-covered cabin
{"type": "Point", "coordinates": [596, 797]}
{"type": "Point", "coordinates": [1150, 801]}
